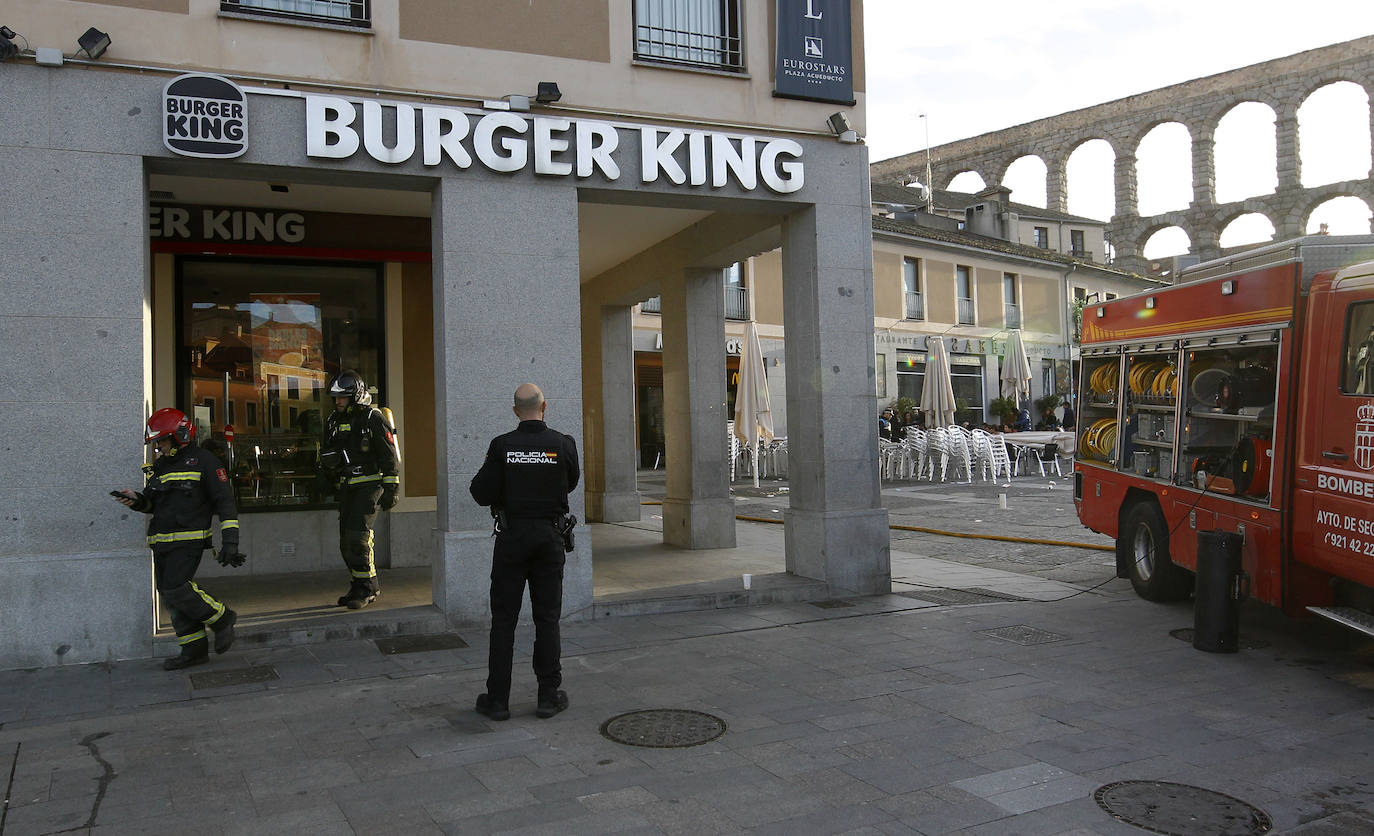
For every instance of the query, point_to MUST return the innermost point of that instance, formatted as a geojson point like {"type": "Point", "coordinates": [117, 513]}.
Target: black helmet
{"type": "Point", "coordinates": [349, 384]}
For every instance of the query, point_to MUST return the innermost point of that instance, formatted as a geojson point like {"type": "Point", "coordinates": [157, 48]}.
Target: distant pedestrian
{"type": "Point", "coordinates": [186, 486]}
{"type": "Point", "coordinates": [525, 480]}
{"type": "Point", "coordinates": [1069, 419]}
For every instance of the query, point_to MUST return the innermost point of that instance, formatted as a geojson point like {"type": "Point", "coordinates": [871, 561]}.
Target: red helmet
{"type": "Point", "coordinates": [170, 423]}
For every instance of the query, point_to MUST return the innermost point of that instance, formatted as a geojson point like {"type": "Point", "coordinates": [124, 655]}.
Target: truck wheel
{"type": "Point", "coordinates": [1146, 540]}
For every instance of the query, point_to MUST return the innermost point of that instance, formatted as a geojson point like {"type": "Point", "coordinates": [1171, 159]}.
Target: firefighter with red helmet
{"type": "Point", "coordinates": [186, 486]}
{"type": "Point", "coordinates": [360, 452]}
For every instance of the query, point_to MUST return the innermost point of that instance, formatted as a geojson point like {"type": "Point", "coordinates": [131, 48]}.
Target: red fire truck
{"type": "Point", "coordinates": [1241, 400]}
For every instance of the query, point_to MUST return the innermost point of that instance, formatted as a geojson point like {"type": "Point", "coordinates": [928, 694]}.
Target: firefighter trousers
{"type": "Point", "coordinates": [357, 513]}
{"type": "Point", "coordinates": [192, 609]}
{"type": "Point", "coordinates": [530, 552]}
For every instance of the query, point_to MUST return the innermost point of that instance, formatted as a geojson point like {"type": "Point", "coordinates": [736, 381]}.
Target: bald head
{"type": "Point", "coordinates": [529, 402]}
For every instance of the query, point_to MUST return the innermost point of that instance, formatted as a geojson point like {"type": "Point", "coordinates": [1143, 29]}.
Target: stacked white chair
{"type": "Point", "coordinates": [958, 450]}
{"type": "Point", "coordinates": [980, 451]}
{"type": "Point", "coordinates": [937, 451]}
{"type": "Point", "coordinates": [1001, 462]}
{"type": "Point", "coordinates": [915, 443]}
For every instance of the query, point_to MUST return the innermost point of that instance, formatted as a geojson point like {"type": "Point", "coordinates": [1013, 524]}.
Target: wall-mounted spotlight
{"type": "Point", "coordinates": [8, 48]}
{"type": "Point", "coordinates": [842, 128]}
{"type": "Point", "coordinates": [548, 92]}
{"type": "Point", "coordinates": [93, 42]}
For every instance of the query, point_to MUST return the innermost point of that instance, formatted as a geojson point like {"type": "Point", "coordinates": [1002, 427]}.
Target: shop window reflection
{"type": "Point", "coordinates": [270, 336]}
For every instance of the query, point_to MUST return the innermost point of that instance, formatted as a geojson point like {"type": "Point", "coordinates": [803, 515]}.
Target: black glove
{"type": "Point", "coordinates": [229, 554]}
{"type": "Point", "coordinates": [388, 500]}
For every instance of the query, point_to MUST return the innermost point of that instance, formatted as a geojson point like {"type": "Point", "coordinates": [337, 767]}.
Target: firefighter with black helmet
{"type": "Point", "coordinates": [186, 486]}
{"type": "Point", "coordinates": [360, 452]}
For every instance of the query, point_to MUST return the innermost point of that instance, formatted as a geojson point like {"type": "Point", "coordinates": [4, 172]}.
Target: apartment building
{"type": "Point", "coordinates": [217, 204]}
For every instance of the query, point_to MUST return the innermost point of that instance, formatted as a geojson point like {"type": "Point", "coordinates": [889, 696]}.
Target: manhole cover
{"type": "Point", "coordinates": [1021, 634]}
{"type": "Point", "coordinates": [1180, 810]}
{"type": "Point", "coordinates": [420, 644]}
{"type": "Point", "coordinates": [1186, 634]}
{"type": "Point", "coordinates": [973, 595]}
{"type": "Point", "coordinates": [236, 676]}
{"type": "Point", "coordinates": [832, 604]}
{"type": "Point", "coordinates": [663, 728]}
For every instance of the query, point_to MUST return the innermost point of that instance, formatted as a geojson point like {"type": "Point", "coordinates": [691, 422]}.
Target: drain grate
{"type": "Point", "coordinates": [949, 595]}
{"type": "Point", "coordinates": [234, 676]}
{"type": "Point", "coordinates": [1186, 634]}
{"type": "Point", "coordinates": [1180, 809]}
{"type": "Point", "coordinates": [1024, 635]}
{"type": "Point", "coordinates": [832, 604]}
{"type": "Point", "coordinates": [663, 728]}
{"type": "Point", "coordinates": [420, 644]}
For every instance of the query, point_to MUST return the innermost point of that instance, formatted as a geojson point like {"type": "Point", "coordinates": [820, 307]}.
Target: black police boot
{"type": "Point", "coordinates": [550, 703]}
{"type": "Point", "coordinates": [224, 631]}
{"type": "Point", "coordinates": [491, 709]}
{"type": "Point", "coordinates": [192, 653]}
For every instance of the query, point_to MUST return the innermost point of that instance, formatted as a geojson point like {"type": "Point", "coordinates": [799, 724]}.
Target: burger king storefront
{"type": "Point", "coordinates": [194, 242]}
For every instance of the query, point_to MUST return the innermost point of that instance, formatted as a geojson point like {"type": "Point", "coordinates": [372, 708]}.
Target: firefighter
{"type": "Point", "coordinates": [186, 486]}
{"type": "Point", "coordinates": [360, 452]}
{"type": "Point", "coordinates": [525, 479]}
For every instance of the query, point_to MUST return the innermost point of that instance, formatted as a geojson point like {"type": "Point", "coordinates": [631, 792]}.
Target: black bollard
{"type": "Point", "coordinates": [1218, 592]}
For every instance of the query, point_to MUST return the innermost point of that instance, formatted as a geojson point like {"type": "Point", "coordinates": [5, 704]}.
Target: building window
{"type": "Point", "coordinates": [966, 375]}
{"type": "Point", "coordinates": [911, 283]}
{"type": "Point", "coordinates": [880, 373]}
{"type": "Point", "coordinates": [1012, 309]}
{"type": "Point", "coordinates": [911, 374]}
{"type": "Point", "coordinates": [736, 294]}
{"type": "Point", "coordinates": [345, 12]}
{"type": "Point", "coordinates": [1109, 296]}
{"type": "Point", "coordinates": [270, 335]}
{"type": "Point", "coordinates": [963, 291]}
{"type": "Point", "coordinates": [699, 33]}
{"type": "Point", "coordinates": [1042, 237]}
{"type": "Point", "coordinates": [1080, 294]}
{"type": "Point", "coordinates": [1077, 248]}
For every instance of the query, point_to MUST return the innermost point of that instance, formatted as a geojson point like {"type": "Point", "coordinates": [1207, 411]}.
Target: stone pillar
{"type": "Point", "coordinates": [1056, 183]}
{"type": "Point", "coordinates": [1206, 241]}
{"type": "Point", "coordinates": [1286, 147]}
{"type": "Point", "coordinates": [836, 525]}
{"type": "Point", "coordinates": [1124, 181]}
{"type": "Point", "coordinates": [698, 511]}
{"type": "Point", "coordinates": [609, 396]}
{"type": "Point", "coordinates": [505, 256]}
{"type": "Point", "coordinates": [1204, 169]}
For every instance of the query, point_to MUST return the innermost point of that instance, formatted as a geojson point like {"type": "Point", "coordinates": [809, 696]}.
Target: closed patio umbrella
{"type": "Point", "coordinates": [753, 412]}
{"type": "Point", "coordinates": [937, 393]}
{"type": "Point", "coordinates": [1016, 369]}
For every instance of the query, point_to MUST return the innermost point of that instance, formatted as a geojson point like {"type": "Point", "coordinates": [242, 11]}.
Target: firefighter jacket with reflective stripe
{"type": "Point", "coordinates": [184, 490]}
{"type": "Point", "coordinates": [528, 472]}
{"type": "Point", "coordinates": [368, 442]}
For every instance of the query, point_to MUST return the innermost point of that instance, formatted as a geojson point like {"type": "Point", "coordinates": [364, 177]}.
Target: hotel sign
{"type": "Point", "coordinates": [814, 51]}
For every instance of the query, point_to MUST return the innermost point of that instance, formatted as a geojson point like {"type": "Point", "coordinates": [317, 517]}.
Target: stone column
{"type": "Point", "coordinates": [1204, 169]}
{"type": "Point", "coordinates": [609, 396]}
{"type": "Point", "coordinates": [505, 257]}
{"type": "Point", "coordinates": [1286, 146]}
{"type": "Point", "coordinates": [1125, 184]}
{"type": "Point", "coordinates": [698, 512]}
{"type": "Point", "coordinates": [836, 525]}
{"type": "Point", "coordinates": [1056, 183]}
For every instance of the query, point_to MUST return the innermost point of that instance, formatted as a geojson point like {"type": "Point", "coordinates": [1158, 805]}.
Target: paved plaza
{"type": "Point", "coordinates": [972, 700]}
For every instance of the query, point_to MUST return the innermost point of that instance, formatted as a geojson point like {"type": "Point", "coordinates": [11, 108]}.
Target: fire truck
{"type": "Point", "coordinates": [1241, 400]}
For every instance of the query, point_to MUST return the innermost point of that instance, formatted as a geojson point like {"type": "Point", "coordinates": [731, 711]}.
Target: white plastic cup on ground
{"type": "Point", "coordinates": [748, 580]}
{"type": "Point", "coordinates": [1002, 501]}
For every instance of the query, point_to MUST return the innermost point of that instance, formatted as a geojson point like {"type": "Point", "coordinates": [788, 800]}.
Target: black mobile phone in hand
{"type": "Point", "coordinates": [120, 495]}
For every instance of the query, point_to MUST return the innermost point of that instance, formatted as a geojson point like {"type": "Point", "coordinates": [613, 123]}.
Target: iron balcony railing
{"type": "Point", "coordinates": [965, 311]}
{"type": "Point", "coordinates": [915, 308]}
{"type": "Point", "coordinates": [343, 12]}
{"type": "Point", "coordinates": [1013, 315]}
{"type": "Point", "coordinates": [1086, 255]}
{"type": "Point", "coordinates": [704, 33]}
{"type": "Point", "coordinates": [736, 302]}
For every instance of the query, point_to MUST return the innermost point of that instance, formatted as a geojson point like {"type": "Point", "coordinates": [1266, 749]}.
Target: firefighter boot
{"type": "Point", "coordinates": [195, 652]}
{"type": "Point", "coordinates": [224, 630]}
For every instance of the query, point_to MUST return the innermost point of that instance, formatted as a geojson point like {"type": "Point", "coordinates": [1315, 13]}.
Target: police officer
{"type": "Point", "coordinates": [186, 485]}
{"type": "Point", "coordinates": [360, 452]}
{"type": "Point", "coordinates": [525, 479]}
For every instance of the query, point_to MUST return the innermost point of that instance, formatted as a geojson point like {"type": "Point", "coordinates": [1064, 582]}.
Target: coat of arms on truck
{"type": "Point", "coordinates": [1364, 437]}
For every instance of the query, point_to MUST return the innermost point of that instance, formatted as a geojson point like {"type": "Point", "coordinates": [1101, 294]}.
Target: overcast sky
{"type": "Point", "coordinates": [975, 68]}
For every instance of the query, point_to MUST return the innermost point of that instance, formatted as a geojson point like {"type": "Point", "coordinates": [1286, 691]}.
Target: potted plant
{"type": "Point", "coordinates": [1004, 408]}
{"type": "Point", "coordinates": [1046, 406]}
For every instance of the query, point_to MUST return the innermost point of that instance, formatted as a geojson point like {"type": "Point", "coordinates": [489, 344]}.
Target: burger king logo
{"type": "Point", "coordinates": [204, 116]}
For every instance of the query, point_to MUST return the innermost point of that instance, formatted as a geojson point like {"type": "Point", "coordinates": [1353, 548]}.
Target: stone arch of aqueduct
{"type": "Point", "coordinates": [1282, 84]}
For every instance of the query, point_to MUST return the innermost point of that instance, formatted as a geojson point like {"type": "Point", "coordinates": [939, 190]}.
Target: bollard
{"type": "Point", "coordinates": [1221, 586]}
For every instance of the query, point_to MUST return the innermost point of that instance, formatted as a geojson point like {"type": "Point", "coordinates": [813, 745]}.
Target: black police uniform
{"type": "Point", "coordinates": [183, 491]}
{"type": "Point", "coordinates": [527, 475]}
{"type": "Point", "coordinates": [361, 432]}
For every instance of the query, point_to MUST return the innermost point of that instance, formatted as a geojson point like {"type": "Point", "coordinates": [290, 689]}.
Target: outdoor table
{"type": "Point", "coordinates": [1037, 440]}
